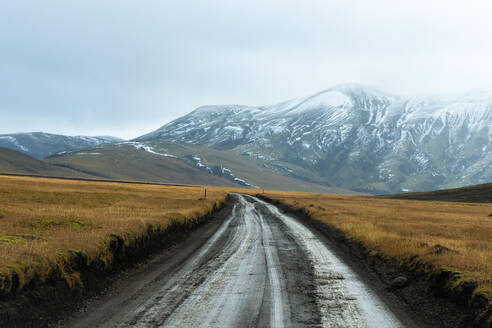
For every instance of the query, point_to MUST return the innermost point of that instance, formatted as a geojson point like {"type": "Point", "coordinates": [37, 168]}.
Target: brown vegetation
{"type": "Point", "coordinates": [14, 162]}
{"type": "Point", "coordinates": [437, 237]}
{"type": "Point", "coordinates": [45, 221]}
{"type": "Point", "coordinates": [472, 194]}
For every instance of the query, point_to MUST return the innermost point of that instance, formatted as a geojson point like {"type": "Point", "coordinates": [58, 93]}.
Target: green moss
{"type": "Point", "coordinates": [451, 272]}
{"type": "Point", "coordinates": [76, 224]}
{"type": "Point", "coordinates": [11, 239]}
{"type": "Point", "coordinates": [482, 294]}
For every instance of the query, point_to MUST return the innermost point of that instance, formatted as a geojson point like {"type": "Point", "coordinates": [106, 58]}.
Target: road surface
{"type": "Point", "coordinates": [260, 268]}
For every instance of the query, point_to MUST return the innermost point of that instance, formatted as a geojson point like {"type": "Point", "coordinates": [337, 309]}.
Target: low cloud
{"type": "Point", "coordinates": [127, 67]}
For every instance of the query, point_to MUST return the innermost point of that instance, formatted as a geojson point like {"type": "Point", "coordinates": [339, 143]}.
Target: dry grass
{"type": "Point", "coordinates": [43, 219]}
{"type": "Point", "coordinates": [450, 236]}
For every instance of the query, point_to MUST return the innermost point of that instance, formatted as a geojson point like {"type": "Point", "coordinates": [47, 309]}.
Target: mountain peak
{"type": "Point", "coordinates": [356, 136]}
{"type": "Point", "coordinates": [212, 109]}
{"type": "Point", "coordinates": [357, 90]}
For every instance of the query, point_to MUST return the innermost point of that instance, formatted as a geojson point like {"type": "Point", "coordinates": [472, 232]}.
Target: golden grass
{"type": "Point", "coordinates": [41, 220]}
{"type": "Point", "coordinates": [444, 235]}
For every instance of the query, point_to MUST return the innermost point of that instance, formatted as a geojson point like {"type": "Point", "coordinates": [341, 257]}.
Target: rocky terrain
{"type": "Point", "coordinates": [354, 137]}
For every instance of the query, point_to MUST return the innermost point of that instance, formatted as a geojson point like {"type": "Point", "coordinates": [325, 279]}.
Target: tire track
{"type": "Point", "coordinates": [343, 300]}
{"type": "Point", "coordinates": [261, 268]}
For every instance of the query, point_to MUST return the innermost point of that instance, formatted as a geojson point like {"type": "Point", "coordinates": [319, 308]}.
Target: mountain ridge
{"type": "Point", "coordinates": [41, 144]}
{"type": "Point", "coordinates": [355, 136]}
{"type": "Point", "coordinates": [347, 137]}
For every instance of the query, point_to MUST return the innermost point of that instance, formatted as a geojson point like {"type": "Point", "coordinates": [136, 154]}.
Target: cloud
{"type": "Point", "coordinates": [124, 67]}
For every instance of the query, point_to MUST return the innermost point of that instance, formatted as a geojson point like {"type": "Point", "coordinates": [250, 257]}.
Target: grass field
{"type": "Point", "coordinates": [43, 220]}
{"type": "Point", "coordinates": [447, 236]}
{"type": "Point", "coordinates": [473, 194]}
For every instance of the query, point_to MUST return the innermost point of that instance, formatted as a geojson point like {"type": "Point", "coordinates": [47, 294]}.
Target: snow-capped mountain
{"type": "Point", "coordinates": [355, 137]}
{"type": "Point", "coordinates": [40, 145]}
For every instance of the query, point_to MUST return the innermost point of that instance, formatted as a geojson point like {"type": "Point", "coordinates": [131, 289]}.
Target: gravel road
{"type": "Point", "coordinates": [258, 268]}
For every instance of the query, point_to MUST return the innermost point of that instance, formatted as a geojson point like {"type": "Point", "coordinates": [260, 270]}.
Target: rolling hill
{"type": "Point", "coordinates": [471, 194]}
{"type": "Point", "coordinates": [125, 162]}
{"type": "Point", "coordinates": [182, 163]}
{"type": "Point", "coordinates": [14, 162]}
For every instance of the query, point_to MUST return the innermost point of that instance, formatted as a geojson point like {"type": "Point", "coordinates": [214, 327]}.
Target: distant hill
{"type": "Point", "coordinates": [182, 163]}
{"type": "Point", "coordinates": [125, 162]}
{"type": "Point", "coordinates": [479, 193]}
{"type": "Point", "coordinates": [14, 162]}
{"type": "Point", "coordinates": [41, 145]}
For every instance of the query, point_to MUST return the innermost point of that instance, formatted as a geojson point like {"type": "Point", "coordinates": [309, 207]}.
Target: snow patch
{"type": "Point", "coordinates": [306, 145]}
{"type": "Point", "coordinates": [14, 141]}
{"type": "Point", "coordinates": [83, 154]}
{"type": "Point", "coordinates": [149, 149]}
{"type": "Point", "coordinates": [328, 99]}
{"type": "Point", "coordinates": [219, 170]}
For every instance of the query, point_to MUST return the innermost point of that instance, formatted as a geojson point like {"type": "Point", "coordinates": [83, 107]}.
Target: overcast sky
{"type": "Point", "coordinates": [124, 68]}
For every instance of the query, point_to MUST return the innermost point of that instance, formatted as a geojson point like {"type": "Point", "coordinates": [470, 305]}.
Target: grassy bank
{"type": "Point", "coordinates": [49, 226]}
{"type": "Point", "coordinates": [439, 239]}
{"type": "Point", "coordinates": [472, 194]}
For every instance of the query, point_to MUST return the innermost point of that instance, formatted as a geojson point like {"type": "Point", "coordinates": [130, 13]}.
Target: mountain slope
{"type": "Point", "coordinates": [14, 162]}
{"type": "Point", "coordinates": [123, 161]}
{"type": "Point", "coordinates": [183, 163]}
{"type": "Point", "coordinates": [41, 145]}
{"type": "Point", "coordinates": [354, 137]}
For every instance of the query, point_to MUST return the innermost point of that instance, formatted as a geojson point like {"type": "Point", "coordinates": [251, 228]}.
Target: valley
{"type": "Point", "coordinates": [168, 256]}
{"type": "Point", "coordinates": [257, 216]}
{"type": "Point", "coordinates": [346, 139]}
{"type": "Point", "coordinates": [256, 164]}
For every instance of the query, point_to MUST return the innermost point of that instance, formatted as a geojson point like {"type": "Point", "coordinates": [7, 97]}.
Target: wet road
{"type": "Point", "coordinates": [260, 268]}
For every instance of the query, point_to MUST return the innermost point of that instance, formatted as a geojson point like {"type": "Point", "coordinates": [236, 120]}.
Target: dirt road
{"type": "Point", "coordinates": [260, 268]}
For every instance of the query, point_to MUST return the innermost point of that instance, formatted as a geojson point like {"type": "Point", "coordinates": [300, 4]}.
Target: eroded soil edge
{"type": "Point", "coordinates": [43, 303]}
